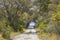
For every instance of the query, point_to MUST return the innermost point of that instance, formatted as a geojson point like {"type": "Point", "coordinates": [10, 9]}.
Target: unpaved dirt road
{"type": "Point", "coordinates": [29, 34]}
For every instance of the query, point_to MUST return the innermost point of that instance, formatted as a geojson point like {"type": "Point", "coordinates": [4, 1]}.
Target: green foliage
{"type": "Point", "coordinates": [20, 28]}
{"type": "Point", "coordinates": [16, 14]}
{"type": "Point", "coordinates": [6, 33]}
{"type": "Point", "coordinates": [56, 18]}
{"type": "Point", "coordinates": [43, 24]}
{"type": "Point", "coordinates": [56, 15]}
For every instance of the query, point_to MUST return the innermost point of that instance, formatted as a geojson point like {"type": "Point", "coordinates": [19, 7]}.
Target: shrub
{"type": "Point", "coordinates": [6, 34]}
{"type": "Point", "coordinates": [20, 28]}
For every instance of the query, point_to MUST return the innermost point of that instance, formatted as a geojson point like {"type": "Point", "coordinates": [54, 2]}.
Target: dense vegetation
{"type": "Point", "coordinates": [15, 15]}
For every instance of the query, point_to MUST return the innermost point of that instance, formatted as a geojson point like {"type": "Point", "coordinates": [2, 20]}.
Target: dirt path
{"type": "Point", "coordinates": [29, 34]}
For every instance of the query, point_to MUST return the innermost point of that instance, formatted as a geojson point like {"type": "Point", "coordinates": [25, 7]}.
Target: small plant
{"type": "Point", "coordinates": [20, 28]}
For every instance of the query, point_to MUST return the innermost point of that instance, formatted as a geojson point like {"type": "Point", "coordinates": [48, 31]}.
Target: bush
{"type": "Point", "coordinates": [43, 24]}
{"type": "Point", "coordinates": [20, 28]}
{"type": "Point", "coordinates": [6, 34]}
{"type": "Point", "coordinates": [56, 18]}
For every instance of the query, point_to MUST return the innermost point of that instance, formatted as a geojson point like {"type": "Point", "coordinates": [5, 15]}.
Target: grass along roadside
{"type": "Point", "coordinates": [12, 34]}
{"type": "Point", "coordinates": [1, 38]}
{"type": "Point", "coordinates": [47, 36]}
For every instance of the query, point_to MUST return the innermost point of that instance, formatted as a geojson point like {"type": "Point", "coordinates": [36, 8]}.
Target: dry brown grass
{"type": "Point", "coordinates": [1, 38]}
{"type": "Point", "coordinates": [48, 36]}
{"type": "Point", "coordinates": [12, 34]}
